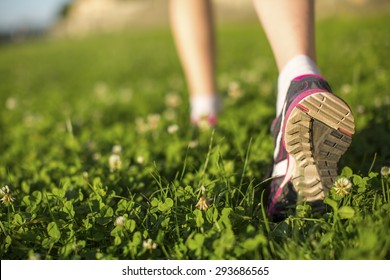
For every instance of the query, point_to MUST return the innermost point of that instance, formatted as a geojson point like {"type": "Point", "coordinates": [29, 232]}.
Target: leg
{"type": "Point", "coordinates": [192, 26]}
{"type": "Point", "coordinates": [314, 127]}
{"type": "Point", "coordinates": [289, 26]}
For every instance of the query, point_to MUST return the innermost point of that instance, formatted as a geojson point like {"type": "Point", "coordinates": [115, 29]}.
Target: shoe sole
{"type": "Point", "coordinates": [317, 133]}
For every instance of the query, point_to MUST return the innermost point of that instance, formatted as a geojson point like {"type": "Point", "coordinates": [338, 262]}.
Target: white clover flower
{"type": "Point", "coordinates": [173, 128]}
{"type": "Point", "coordinates": [75, 247]}
{"type": "Point", "coordinates": [140, 160]}
{"type": "Point", "coordinates": [153, 121]}
{"type": "Point", "coordinates": [85, 175]}
{"type": "Point", "coordinates": [117, 149]}
{"type": "Point", "coordinates": [360, 109]}
{"type": "Point", "coordinates": [202, 204]}
{"type": "Point", "coordinates": [234, 90]}
{"type": "Point", "coordinates": [149, 244]}
{"type": "Point", "coordinates": [346, 88]}
{"type": "Point", "coordinates": [140, 125]}
{"type": "Point", "coordinates": [96, 156]}
{"type": "Point", "coordinates": [120, 221]}
{"type": "Point", "coordinates": [202, 190]}
{"type": "Point", "coordinates": [114, 162]}
{"type": "Point", "coordinates": [11, 103]}
{"type": "Point", "coordinates": [7, 198]}
{"type": "Point", "coordinates": [342, 186]}
{"type": "Point", "coordinates": [385, 171]}
{"type": "Point", "coordinates": [172, 100]}
{"type": "Point", "coordinates": [193, 144]}
{"type": "Point", "coordinates": [4, 190]}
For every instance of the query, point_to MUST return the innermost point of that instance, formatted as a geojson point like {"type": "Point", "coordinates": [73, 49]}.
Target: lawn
{"type": "Point", "coordinates": [102, 163]}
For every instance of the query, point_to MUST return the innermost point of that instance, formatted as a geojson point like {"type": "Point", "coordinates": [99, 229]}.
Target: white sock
{"type": "Point", "coordinates": [297, 66]}
{"type": "Point", "coordinates": [204, 106]}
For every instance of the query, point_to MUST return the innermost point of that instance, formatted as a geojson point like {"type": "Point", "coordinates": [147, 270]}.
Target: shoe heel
{"type": "Point", "coordinates": [318, 132]}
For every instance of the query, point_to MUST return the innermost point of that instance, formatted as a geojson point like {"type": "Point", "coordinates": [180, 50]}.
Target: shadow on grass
{"type": "Point", "coordinates": [370, 145]}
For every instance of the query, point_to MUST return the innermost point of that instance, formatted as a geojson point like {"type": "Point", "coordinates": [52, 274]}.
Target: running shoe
{"type": "Point", "coordinates": [204, 111]}
{"type": "Point", "coordinates": [205, 121]}
{"type": "Point", "coordinates": [311, 134]}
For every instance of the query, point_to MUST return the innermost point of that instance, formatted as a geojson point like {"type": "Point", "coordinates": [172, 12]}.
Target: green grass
{"type": "Point", "coordinates": [66, 103]}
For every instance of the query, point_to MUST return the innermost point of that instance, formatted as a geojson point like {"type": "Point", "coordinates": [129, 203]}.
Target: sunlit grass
{"type": "Point", "coordinates": [101, 162]}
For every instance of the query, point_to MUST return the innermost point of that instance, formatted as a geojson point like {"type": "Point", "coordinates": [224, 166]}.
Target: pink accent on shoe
{"type": "Point", "coordinates": [295, 104]}
{"type": "Point", "coordinates": [272, 205]}
{"type": "Point", "coordinates": [205, 121]}
{"type": "Point", "coordinates": [345, 132]}
{"type": "Point", "coordinates": [307, 75]}
{"type": "Point", "coordinates": [280, 189]}
{"type": "Point", "coordinates": [281, 154]}
{"type": "Point", "coordinates": [303, 108]}
{"type": "Point", "coordinates": [212, 120]}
